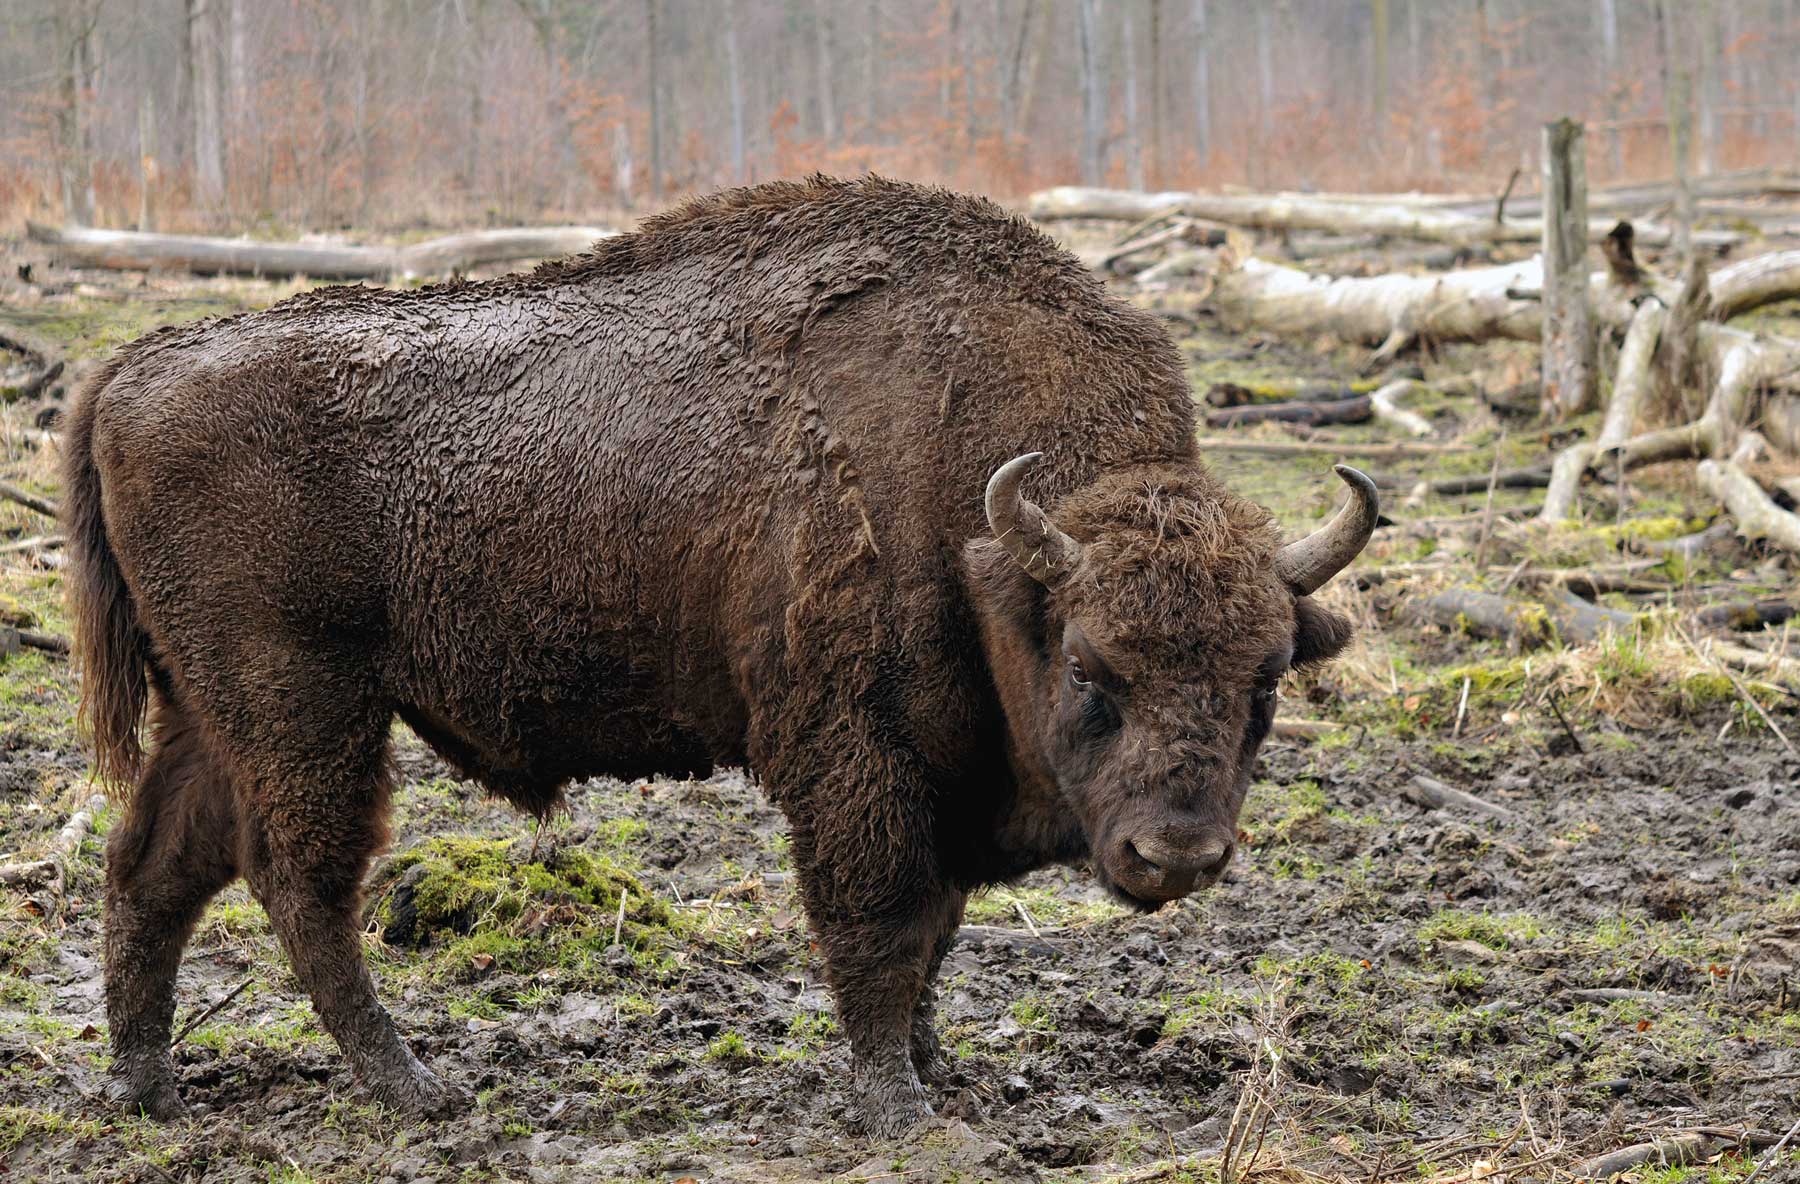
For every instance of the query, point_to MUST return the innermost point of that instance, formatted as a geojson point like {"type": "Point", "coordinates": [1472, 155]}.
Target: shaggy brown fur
{"type": "Point", "coordinates": [711, 493]}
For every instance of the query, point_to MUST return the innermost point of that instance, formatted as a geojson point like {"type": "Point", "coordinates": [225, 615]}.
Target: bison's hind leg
{"type": "Point", "coordinates": [315, 797]}
{"type": "Point", "coordinates": [171, 852]}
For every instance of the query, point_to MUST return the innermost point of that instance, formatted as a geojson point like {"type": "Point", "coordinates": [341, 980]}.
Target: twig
{"type": "Point", "coordinates": [1487, 510]}
{"type": "Point", "coordinates": [1556, 706]}
{"type": "Point", "coordinates": [1500, 206]}
{"type": "Point", "coordinates": [1774, 1154]}
{"type": "Point", "coordinates": [1743, 692]}
{"type": "Point", "coordinates": [26, 498]}
{"type": "Point", "coordinates": [210, 1012]}
{"type": "Point", "coordinates": [1462, 708]}
{"type": "Point", "coordinates": [619, 925]}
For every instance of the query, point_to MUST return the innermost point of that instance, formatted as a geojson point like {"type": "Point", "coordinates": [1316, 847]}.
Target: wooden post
{"type": "Point", "coordinates": [1568, 330]}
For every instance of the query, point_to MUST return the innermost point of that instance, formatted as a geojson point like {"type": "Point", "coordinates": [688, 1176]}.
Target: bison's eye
{"type": "Point", "coordinates": [1077, 676]}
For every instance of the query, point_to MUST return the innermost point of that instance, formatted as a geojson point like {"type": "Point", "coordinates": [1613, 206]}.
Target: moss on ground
{"type": "Point", "coordinates": [479, 905]}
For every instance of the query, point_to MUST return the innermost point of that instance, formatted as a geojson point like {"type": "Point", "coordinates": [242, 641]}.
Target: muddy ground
{"type": "Point", "coordinates": [1403, 991]}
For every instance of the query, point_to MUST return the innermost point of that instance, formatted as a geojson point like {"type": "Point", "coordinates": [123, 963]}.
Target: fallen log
{"type": "Point", "coordinates": [1688, 545]}
{"type": "Point", "coordinates": [1327, 447]}
{"type": "Point", "coordinates": [1673, 1152]}
{"type": "Point", "coordinates": [1755, 512]}
{"type": "Point", "coordinates": [52, 872]}
{"type": "Point", "coordinates": [1630, 389]}
{"type": "Point", "coordinates": [1781, 423]}
{"type": "Point", "coordinates": [1285, 390]}
{"type": "Point", "coordinates": [1385, 403]}
{"type": "Point", "coordinates": [1744, 364]}
{"type": "Point", "coordinates": [1747, 616]}
{"type": "Point", "coordinates": [1356, 409]}
{"type": "Point", "coordinates": [1525, 625]}
{"type": "Point", "coordinates": [1753, 282]}
{"type": "Point", "coordinates": [130, 250]}
{"type": "Point", "coordinates": [26, 498]}
{"type": "Point", "coordinates": [1286, 212]}
{"type": "Point", "coordinates": [1433, 794]}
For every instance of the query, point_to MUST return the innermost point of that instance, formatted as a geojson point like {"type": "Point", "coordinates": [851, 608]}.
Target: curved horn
{"type": "Point", "coordinates": [1305, 565]}
{"type": "Point", "coordinates": [1034, 542]}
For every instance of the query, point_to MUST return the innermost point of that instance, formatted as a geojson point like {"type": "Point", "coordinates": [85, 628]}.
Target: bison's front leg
{"type": "Point", "coordinates": [881, 909]}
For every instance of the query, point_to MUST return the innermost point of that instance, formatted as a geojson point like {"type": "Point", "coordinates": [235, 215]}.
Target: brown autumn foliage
{"type": "Point", "coordinates": [406, 113]}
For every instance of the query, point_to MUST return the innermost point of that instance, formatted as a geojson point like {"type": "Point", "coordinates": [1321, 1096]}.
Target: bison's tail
{"type": "Point", "coordinates": [111, 648]}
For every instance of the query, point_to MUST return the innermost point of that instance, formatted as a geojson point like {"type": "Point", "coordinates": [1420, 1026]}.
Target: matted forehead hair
{"type": "Point", "coordinates": [1175, 569]}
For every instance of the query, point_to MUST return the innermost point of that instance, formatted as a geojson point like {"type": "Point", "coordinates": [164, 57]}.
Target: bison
{"type": "Point", "coordinates": [866, 486]}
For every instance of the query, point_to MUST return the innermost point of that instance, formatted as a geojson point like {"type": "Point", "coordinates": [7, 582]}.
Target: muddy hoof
{"type": "Point", "coordinates": [891, 1103]}
{"type": "Point", "coordinates": [927, 1053]}
{"type": "Point", "coordinates": [149, 1095]}
{"type": "Point", "coordinates": [417, 1091]}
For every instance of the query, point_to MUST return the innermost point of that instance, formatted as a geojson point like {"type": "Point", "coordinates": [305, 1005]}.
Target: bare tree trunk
{"type": "Point", "coordinates": [1378, 15]}
{"type": "Point", "coordinates": [1093, 97]}
{"type": "Point", "coordinates": [822, 54]}
{"type": "Point", "coordinates": [736, 80]}
{"type": "Point", "coordinates": [1265, 66]}
{"type": "Point", "coordinates": [146, 158]}
{"type": "Point", "coordinates": [1158, 95]}
{"type": "Point", "coordinates": [209, 148]}
{"type": "Point", "coordinates": [653, 52]}
{"type": "Point", "coordinates": [1708, 16]}
{"type": "Point", "coordinates": [1010, 89]}
{"type": "Point", "coordinates": [1568, 331]}
{"type": "Point", "coordinates": [1134, 142]}
{"type": "Point", "coordinates": [75, 23]}
{"type": "Point", "coordinates": [1202, 85]}
{"type": "Point", "coordinates": [1679, 103]}
{"type": "Point", "coordinates": [1609, 58]}
{"type": "Point", "coordinates": [871, 67]}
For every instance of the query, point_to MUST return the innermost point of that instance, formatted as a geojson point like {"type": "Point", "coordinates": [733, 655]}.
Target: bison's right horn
{"type": "Point", "coordinates": [1034, 542]}
{"type": "Point", "coordinates": [1305, 565]}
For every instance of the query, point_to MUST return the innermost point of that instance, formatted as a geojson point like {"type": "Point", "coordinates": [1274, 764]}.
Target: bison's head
{"type": "Point", "coordinates": [1137, 642]}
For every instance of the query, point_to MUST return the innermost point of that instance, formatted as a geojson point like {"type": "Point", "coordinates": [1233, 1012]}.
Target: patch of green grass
{"type": "Point", "coordinates": [1034, 1014]}
{"type": "Point", "coordinates": [20, 1123]}
{"type": "Point", "coordinates": [811, 1029]}
{"type": "Point", "coordinates": [730, 1047]}
{"type": "Point", "coordinates": [1497, 931]}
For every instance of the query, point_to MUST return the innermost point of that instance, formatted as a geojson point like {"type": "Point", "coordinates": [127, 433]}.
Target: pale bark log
{"type": "Point", "coordinates": [1753, 282]}
{"type": "Point", "coordinates": [1743, 363]}
{"type": "Point", "coordinates": [1385, 403]}
{"type": "Point", "coordinates": [1334, 213]}
{"type": "Point", "coordinates": [1755, 512]}
{"type": "Point", "coordinates": [132, 251]}
{"type": "Point", "coordinates": [1572, 463]}
{"type": "Point", "coordinates": [52, 872]}
{"type": "Point", "coordinates": [1781, 424]}
{"type": "Point", "coordinates": [1568, 352]}
{"type": "Point", "coordinates": [1631, 385]}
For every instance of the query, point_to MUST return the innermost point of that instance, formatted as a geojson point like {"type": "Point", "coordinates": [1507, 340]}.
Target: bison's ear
{"type": "Point", "coordinates": [1319, 634]}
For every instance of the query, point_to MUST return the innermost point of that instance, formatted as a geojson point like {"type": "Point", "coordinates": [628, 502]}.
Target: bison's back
{"type": "Point", "coordinates": [627, 507]}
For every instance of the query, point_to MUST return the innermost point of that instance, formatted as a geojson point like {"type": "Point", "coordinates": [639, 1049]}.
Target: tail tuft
{"type": "Point", "coordinates": [112, 651]}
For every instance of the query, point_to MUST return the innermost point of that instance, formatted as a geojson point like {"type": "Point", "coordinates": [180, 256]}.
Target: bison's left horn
{"type": "Point", "coordinates": [1306, 564]}
{"type": "Point", "coordinates": [1034, 542]}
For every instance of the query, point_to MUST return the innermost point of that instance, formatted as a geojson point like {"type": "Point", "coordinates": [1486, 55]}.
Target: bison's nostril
{"type": "Point", "coordinates": [1132, 852]}
{"type": "Point", "coordinates": [1213, 861]}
